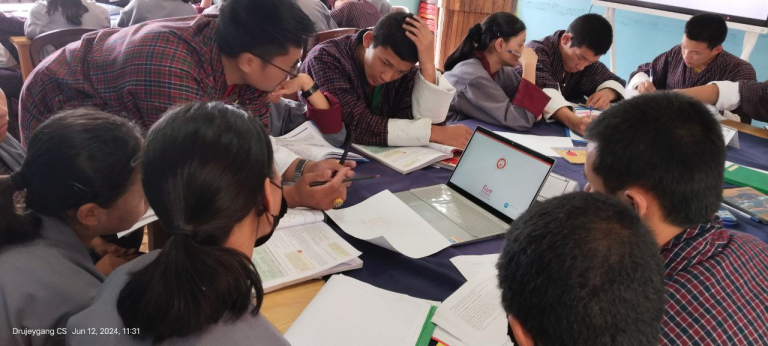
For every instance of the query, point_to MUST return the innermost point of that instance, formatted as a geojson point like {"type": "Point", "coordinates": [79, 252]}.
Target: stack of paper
{"type": "Point", "coordinates": [307, 142]}
{"type": "Point", "coordinates": [386, 221]}
{"type": "Point", "coordinates": [473, 315]}
{"type": "Point", "coordinates": [470, 266]}
{"type": "Point", "coordinates": [301, 249]}
{"type": "Point", "coordinates": [542, 144]}
{"type": "Point", "coordinates": [408, 159]}
{"type": "Point", "coordinates": [347, 312]}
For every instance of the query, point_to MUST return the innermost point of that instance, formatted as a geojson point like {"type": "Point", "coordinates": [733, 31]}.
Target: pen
{"type": "Point", "coordinates": [651, 75]}
{"type": "Point", "coordinates": [364, 177]}
{"type": "Point", "coordinates": [742, 213]}
{"type": "Point", "coordinates": [590, 109]}
{"type": "Point", "coordinates": [513, 52]}
{"type": "Point", "coordinates": [347, 144]}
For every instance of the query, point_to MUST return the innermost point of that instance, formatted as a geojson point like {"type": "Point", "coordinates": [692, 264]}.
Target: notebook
{"type": "Point", "coordinates": [307, 142]}
{"type": "Point", "coordinates": [302, 248]}
{"type": "Point", "coordinates": [408, 159]}
{"type": "Point", "coordinates": [348, 312]}
{"type": "Point", "coordinates": [748, 200]}
{"type": "Point", "coordinates": [744, 176]}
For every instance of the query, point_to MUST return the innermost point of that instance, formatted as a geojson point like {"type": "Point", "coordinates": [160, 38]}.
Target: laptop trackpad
{"type": "Point", "coordinates": [427, 213]}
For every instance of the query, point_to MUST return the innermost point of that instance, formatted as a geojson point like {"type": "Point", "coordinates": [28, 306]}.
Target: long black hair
{"type": "Point", "coordinates": [76, 157]}
{"type": "Point", "coordinates": [203, 172]}
{"type": "Point", "coordinates": [72, 10]}
{"type": "Point", "coordinates": [503, 25]}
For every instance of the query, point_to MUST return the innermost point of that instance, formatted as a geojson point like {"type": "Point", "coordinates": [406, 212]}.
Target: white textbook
{"type": "Point", "coordinates": [473, 314]}
{"type": "Point", "coordinates": [386, 221]}
{"type": "Point", "coordinates": [348, 312]}
{"type": "Point", "coordinates": [307, 142]}
{"type": "Point", "coordinates": [408, 159]}
{"type": "Point", "coordinates": [303, 248]}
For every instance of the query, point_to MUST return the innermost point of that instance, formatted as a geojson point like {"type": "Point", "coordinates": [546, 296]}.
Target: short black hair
{"type": "Point", "coordinates": [265, 28]}
{"type": "Point", "coordinates": [707, 27]}
{"type": "Point", "coordinates": [582, 269]}
{"type": "Point", "coordinates": [389, 33]}
{"type": "Point", "coordinates": [592, 31]}
{"type": "Point", "coordinates": [668, 144]}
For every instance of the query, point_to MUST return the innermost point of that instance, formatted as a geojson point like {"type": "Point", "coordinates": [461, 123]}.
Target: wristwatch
{"type": "Point", "coordinates": [299, 169]}
{"type": "Point", "coordinates": [313, 89]}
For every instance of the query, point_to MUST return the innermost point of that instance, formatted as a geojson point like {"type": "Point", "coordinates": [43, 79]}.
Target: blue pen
{"type": "Point", "coordinates": [590, 110]}
{"type": "Point", "coordinates": [651, 75]}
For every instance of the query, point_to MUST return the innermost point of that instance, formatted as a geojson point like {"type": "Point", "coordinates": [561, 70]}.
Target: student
{"type": "Point", "coordinates": [80, 180]}
{"type": "Point", "coordinates": [140, 11]}
{"type": "Point", "coordinates": [569, 70]}
{"type": "Point", "coordinates": [387, 101]}
{"type": "Point", "coordinates": [698, 60]}
{"type": "Point", "coordinates": [359, 14]}
{"type": "Point", "coordinates": [218, 200]}
{"type": "Point", "coordinates": [663, 154]}
{"type": "Point", "coordinates": [10, 76]}
{"type": "Point", "coordinates": [746, 98]}
{"type": "Point", "coordinates": [590, 276]}
{"type": "Point", "coordinates": [141, 71]}
{"type": "Point", "coordinates": [487, 87]}
{"type": "Point", "coordinates": [318, 13]}
{"type": "Point", "coordinates": [50, 15]}
{"type": "Point", "coordinates": [11, 152]}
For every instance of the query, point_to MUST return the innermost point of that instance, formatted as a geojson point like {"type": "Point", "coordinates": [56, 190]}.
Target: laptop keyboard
{"type": "Point", "coordinates": [460, 211]}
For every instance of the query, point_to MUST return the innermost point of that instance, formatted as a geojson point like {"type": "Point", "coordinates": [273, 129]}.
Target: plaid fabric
{"type": "Point", "coordinates": [550, 72]}
{"type": "Point", "coordinates": [359, 14]}
{"type": "Point", "coordinates": [754, 100]}
{"type": "Point", "coordinates": [137, 73]}
{"type": "Point", "coordinates": [333, 64]}
{"type": "Point", "coordinates": [717, 288]}
{"type": "Point", "coordinates": [670, 71]}
{"type": "Point", "coordinates": [10, 26]}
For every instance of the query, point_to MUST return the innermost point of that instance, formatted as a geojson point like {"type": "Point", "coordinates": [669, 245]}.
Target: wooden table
{"type": "Point", "coordinates": [282, 307]}
{"type": "Point", "coordinates": [746, 128]}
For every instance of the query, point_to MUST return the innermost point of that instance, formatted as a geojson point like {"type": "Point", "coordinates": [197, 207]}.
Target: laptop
{"type": "Point", "coordinates": [494, 182]}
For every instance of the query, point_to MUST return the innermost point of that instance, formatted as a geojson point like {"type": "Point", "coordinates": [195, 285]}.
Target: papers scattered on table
{"type": "Point", "coordinates": [731, 136]}
{"type": "Point", "coordinates": [408, 159]}
{"type": "Point", "coordinates": [303, 249]}
{"type": "Point", "coordinates": [474, 315]}
{"type": "Point", "coordinates": [143, 221]}
{"type": "Point", "coordinates": [470, 266]}
{"type": "Point", "coordinates": [386, 221]}
{"type": "Point", "coordinates": [347, 312]}
{"type": "Point", "coordinates": [307, 142]}
{"type": "Point", "coordinates": [542, 144]}
{"type": "Point", "coordinates": [574, 155]}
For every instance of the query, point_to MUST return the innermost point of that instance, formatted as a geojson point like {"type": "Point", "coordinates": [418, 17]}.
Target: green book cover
{"type": "Point", "coordinates": [427, 329]}
{"type": "Point", "coordinates": [743, 176]}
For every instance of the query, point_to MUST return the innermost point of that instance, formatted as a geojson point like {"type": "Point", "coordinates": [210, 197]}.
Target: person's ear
{"type": "Point", "coordinates": [498, 44]}
{"type": "Point", "coordinates": [565, 40]}
{"type": "Point", "coordinates": [521, 335]}
{"type": "Point", "coordinates": [270, 202]}
{"type": "Point", "coordinates": [368, 39]}
{"type": "Point", "coordinates": [248, 62]}
{"type": "Point", "coordinates": [88, 214]}
{"type": "Point", "coordinates": [637, 199]}
{"type": "Point", "coordinates": [717, 50]}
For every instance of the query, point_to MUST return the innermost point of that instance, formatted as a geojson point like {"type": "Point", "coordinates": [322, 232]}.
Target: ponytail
{"type": "Point", "coordinates": [187, 288]}
{"type": "Point", "coordinates": [199, 194]}
{"type": "Point", "coordinates": [502, 25]}
{"type": "Point", "coordinates": [72, 10]}
{"type": "Point", "coordinates": [15, 226]}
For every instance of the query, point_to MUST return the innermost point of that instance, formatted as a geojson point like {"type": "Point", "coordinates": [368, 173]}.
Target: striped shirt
{"type": "Point", "coordinates": [717, 288]}
{"type": "Point", "coordinates": [754, 100]}
{"type": "Point", "coordinates": [550, 72]}
{"type": "Point", "coordinates": [358, 14]}
{"type": "Point", "coordinates": [137, 72]}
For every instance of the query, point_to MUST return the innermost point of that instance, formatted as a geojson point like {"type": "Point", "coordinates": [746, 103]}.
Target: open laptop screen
{"type": "Point", "coordinates": [499, 175]}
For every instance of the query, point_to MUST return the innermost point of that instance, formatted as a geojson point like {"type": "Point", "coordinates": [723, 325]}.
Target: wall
{"type": "Point", "coordinates": [412, 5]}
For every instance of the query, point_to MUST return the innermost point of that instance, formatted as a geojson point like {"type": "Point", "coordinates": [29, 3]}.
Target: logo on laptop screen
{"type": "Point", "coordinates": [501, 163]}
{"type": "Point", "coordinates": [486, 192]}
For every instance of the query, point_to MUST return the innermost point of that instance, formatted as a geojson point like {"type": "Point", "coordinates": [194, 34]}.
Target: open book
{"type": "Point", "coordinates": [303, 247]}
{"type": "Point", "coordinates": [408, 159]}
{"type": "Point", "coordinates": [307, 142]}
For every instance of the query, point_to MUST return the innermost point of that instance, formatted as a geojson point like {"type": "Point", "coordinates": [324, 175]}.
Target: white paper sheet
{"type": "Point", "coordinates": [307, 142]}
{"type": "Point", "coordinates": [542, 144]}
{"type": "Point", "coordinates": [347, 312]}
{"type": "Point", "coordinates": [470, 266]}
{"type": "Point", "coordinates": [474, 313]}
{"type": "Point", "coordinates": [731, 136]}
{"type": "Point", "coordinates": [143, 221]}
{"type": "Point", "coordinates": [299, 253]}
{"type": "Point", "coordinates": [300, 216]}
{"type": "Point", "coordinates": [386, 221]}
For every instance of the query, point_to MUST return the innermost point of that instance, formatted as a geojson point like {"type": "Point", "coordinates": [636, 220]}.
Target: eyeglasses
{"type": "Point", "coordinates": [293, 73]}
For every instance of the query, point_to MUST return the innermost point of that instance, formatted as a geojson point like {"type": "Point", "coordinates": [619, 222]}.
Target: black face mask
{"type": "Point", "coordinates": [275, 219]}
